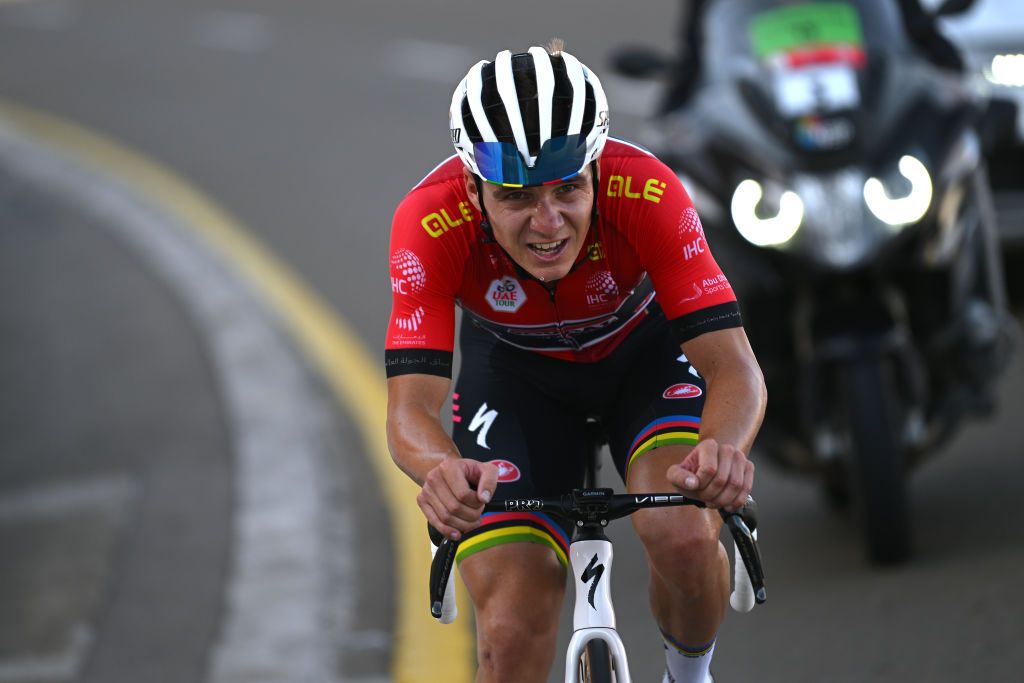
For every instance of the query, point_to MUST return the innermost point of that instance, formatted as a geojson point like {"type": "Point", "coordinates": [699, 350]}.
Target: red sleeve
{"type": "Point", "coordinates": [657, 216]}
{"type": "Point", "coordinates": [425, 276]}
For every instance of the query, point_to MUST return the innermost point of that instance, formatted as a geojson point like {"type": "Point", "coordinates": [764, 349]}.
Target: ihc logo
{"type": "Point", "coordinates": [601, 288]}
{"type": "Point", "coordinates": [409, 274]}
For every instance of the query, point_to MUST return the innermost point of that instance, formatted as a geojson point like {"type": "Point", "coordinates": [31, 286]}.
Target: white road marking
{"type": "Point", "coordinates": [53, 668]}
{"type": "Point", "coordinates": [287, 602]}
{"type": "Point", "coordinates": [67, 498]}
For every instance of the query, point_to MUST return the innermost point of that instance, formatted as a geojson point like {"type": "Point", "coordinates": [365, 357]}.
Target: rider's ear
{"type": "Point", "coordinates": [471, 188]}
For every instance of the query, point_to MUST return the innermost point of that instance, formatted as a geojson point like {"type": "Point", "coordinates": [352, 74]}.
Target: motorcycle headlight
{"type": "Point", "coordinates": [759, 229]}
{"type": "Point", "coordinates": [900, 201]}
{"type": "Point", "coordinates": [1006, 70]}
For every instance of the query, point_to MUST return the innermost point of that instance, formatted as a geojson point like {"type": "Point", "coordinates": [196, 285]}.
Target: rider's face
{"type": "Point", "coordinates": [542, 228]}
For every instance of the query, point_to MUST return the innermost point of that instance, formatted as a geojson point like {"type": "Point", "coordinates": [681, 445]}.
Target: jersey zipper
{"type": "Point", "coordinates": [568, 339]}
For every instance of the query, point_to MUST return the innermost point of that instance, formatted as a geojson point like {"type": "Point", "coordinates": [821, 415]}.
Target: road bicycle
{"type": "Point", "coordinates": [596, 653]}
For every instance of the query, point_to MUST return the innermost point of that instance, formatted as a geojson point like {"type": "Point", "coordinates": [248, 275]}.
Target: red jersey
{"type": "Point", "coordinates": [647, 244]}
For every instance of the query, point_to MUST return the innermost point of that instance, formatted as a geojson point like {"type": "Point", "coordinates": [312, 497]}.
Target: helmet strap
{"type": "Point", "coordinates": [485, 223]}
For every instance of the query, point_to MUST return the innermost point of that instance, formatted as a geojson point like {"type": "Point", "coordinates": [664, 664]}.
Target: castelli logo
{"type": "Point", "coordinates": [682, 391]}
{"type": "Point", "coordinates": [507, 471]}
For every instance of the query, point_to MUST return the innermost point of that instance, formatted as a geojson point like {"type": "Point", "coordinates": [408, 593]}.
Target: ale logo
{"type": "Point", "coordinates": [682, 391]}
{"type": "Point", "coordinates": [507, 471]}
{"type": "Point", "coordinates": [506, 295]}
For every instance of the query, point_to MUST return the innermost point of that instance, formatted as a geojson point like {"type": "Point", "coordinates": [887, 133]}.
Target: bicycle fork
{"type": "Point", "coordinates": [590, 554]}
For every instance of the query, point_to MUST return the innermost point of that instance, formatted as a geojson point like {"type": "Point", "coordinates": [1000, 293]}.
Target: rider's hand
{"type": "Point", "coordinates": [718, 474]}
{"type": "Point", "coordinates": [454, 494]}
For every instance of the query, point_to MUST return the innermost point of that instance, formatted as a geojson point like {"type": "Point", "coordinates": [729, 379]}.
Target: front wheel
{"type": "Point", "coordinates": [596, 663]}
{"type": "Point", "coordinates": [876, 466]}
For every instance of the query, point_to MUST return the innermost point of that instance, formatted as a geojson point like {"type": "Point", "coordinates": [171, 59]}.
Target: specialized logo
{"type": "Point", "coordinates": [456, 134]}
{"type": "Point", "coordinates": [682, 391]}
{"type": "Point", "coordinates": [409, 274]}
{"type": "Point", "coordinates": [483, 420]}
{"type": "Point", "coordinates": [440, 222]}
{"type": "Point", "coordinates": [683, 359]}
{"type": "Point", "coordinates": [601, 288]}
{"type": "Point", "coordinates": [411, 322]}
{"type": "Point", "coordinates": [505, 295]}
{"type": "Point", "coordinates": [507, 471]}
{"type": "Point", "coordinates": [653, 189]}
{"type": "Point", "coordinates": [602, 119]}
{"type": "Point", "coordinates": [593, 571]}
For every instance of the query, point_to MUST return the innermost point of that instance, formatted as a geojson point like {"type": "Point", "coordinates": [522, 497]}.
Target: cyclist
{"type": "Point", "coordinates": [588, 292]}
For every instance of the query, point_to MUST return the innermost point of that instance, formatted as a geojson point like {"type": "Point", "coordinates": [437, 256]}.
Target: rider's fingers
{"type": "Point", "coordinates": [423, 500]}
{"type": "Point", "coordinates": [734, 486]}
{"type": "Point", "coordinates": [456, 476]}
{"type": "Point", "coordinates": [706, 463]}
{"type": "Point", "coordinates": [748, 486]}
{"type": "Point", "coordinates": [716, 489]}
{"type": "Point", "coordinates": [447, 506]}
{"type": "Point", "coordinates": [488, 482]}
{"type": "Point", "coordinates": [735, 497]}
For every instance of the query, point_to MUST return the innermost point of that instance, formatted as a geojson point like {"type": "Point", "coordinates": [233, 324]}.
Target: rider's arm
{"type": "Point", "coordinates": [717, 470]}
{"type": "Point", "coordinates": [736, 394]}
{"type": "Point", "coordinates": [416, 437]}
{"type": "Point", "coordinates": [453, 490]}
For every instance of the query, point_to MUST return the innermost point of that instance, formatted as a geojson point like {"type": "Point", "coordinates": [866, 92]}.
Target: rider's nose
{"type": "Point", "coordinates": [546, 217]}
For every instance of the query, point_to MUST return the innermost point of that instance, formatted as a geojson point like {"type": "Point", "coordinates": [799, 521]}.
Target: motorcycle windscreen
{"type": "Point", "coordinates": [560, 158]}
{"type": "Point", "coordinates": [813, 52]}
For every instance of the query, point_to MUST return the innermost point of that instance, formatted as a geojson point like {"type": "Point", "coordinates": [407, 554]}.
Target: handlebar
{"type": "Point", "coordinates": [599, 506]}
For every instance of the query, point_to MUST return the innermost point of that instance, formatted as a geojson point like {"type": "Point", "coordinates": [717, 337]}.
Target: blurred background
{"type": "Point", "coordinates": [186, 496]}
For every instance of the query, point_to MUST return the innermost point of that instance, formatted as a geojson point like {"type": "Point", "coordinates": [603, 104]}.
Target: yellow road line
{"type": "Point", "coordinates": [423, 649]}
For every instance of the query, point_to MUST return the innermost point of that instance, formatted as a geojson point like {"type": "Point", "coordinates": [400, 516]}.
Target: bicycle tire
{"type": "Point", "coordinates": [596, 662]}
{"type": "Point", "coordinates": [878, 465]}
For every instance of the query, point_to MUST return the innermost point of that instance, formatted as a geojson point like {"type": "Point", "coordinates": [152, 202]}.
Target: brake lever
{"type": "Point", "coordinates": [743, 525]}
{"type": "Point", "coordinates": [440, 571]}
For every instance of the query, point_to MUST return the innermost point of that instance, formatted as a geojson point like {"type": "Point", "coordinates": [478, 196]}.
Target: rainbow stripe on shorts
{"type": "Point", "coordinates": [512, 527]}
{"type": "Point", "coordinates": [665, 431]}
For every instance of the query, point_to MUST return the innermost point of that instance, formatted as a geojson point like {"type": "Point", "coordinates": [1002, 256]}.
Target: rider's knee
{"type": "Point", "coordinates": [679, 547]}
{"type": "Point", "coordinates": [506, 641]}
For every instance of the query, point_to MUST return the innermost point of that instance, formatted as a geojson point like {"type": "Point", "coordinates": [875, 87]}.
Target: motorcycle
{"type": "Point", "coordinates": [841, 182]}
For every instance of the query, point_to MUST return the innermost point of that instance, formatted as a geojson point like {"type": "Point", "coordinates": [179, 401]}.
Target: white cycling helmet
{"type": "Point", "coordinates": [529, 119]}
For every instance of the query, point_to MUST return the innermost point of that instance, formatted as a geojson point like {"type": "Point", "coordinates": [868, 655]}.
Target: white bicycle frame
{"type": "Point", "coordinates": [594, 615]}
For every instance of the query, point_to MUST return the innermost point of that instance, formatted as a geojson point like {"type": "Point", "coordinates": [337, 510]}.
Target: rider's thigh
{"type": "Point", "coordinates": [672, 533]}
{"type": "Point", "coordinates": [517, 591]}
